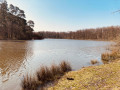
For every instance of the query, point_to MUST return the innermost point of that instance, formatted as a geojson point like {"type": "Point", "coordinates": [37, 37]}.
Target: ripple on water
{"type": "Point", "coordinates": [19, 58]}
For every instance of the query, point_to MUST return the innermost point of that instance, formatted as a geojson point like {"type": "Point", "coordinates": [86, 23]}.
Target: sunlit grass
{"type": "Point", "coordinates": [103, 77]}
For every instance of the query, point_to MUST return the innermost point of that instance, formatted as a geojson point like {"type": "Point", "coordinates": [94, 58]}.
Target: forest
{"type": "Point", "coordinates": [13, 25]}
{"type": "Point", "coordinates": [103, 33]}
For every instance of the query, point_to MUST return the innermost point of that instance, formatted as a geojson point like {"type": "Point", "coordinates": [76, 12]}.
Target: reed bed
{"type": "Point", "coordinates": [45, 75]}
{"type": "Point", "coordinates": [55, 70]}
{"type": "Point", "coordinates": [110, 56]}
{"type": "Point", "coordinates": [65, 67]}
{"type": "Point", "coordinates": [29, 83]}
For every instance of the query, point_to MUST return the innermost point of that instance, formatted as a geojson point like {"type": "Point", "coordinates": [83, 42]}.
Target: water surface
{"type": "Point", "coordinates": [20, 57]}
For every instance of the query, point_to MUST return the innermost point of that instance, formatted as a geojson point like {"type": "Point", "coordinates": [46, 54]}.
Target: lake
{"type": "Point", "coordinates": [18, 58]}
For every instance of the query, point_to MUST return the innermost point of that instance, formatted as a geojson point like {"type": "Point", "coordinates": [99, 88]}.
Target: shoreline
{"type": "Point", "coordinates": [35, 82]}
{"type": "Point", "coordinates": [105, 76]}
{"type": "Point", "coordinates": [101, 77]}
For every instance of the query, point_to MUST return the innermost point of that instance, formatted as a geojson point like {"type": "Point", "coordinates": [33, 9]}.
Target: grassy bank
{"type": "Point", "coordinates": [103, 77]}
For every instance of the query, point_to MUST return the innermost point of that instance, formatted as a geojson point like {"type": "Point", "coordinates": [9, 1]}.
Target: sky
{"type": "Point", "coordinates": [69, 15]}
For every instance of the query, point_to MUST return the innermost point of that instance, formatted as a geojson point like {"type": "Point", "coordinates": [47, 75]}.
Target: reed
{"type": "Point", "coordinates": [110, 56]}
{"type": "Point", "coordinates": [49, 75]}
{"type": "Point", "coordinates": [41, 74]}
{"type": "Point", "coordinates": [45, 75]}
{"type": "Point", "coordinates": [56, 71]}
{"type": "Point", "coordinates": [29, 83]}
{"type": "Point", "coordinates": [65, 67]}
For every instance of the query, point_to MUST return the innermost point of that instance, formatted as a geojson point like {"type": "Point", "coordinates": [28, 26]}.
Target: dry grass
{"type": "Point", "coordinates": [55, 69]}
{"type": "Point", "coordinates": [103, 77]}
{"type": "Point", "coordinates": [45, 75]}
{"type": "Point", "coordinates": [29, 83]}
{"type": "Point", "coordinates": [94, 62]}
{"type": "Point", "coordinates": [65, 67]}
{"type": "Point", "coordinates": [110, 56]}
{"type": "Point", "coordinates": [41, 74]}
{"type": "Point", "coordinates": [49, 75]}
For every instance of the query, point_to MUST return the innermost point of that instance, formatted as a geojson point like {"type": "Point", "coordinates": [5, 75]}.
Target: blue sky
{"type": "Point", "coordinates": [69, 15]}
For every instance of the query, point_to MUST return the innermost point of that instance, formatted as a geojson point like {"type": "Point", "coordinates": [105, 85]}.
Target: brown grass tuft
{"type": "Point", "coordinates": [49, 75]}
{"type": "Point", "coordinates": [41, 74]}
{"type": "Point", "coordinates": [94, 62]}
{"type": "Point", "coordinates": [29, 83]}
{"type": "Point", "coordinates": [110, 56]}
{"type": "Point", "coordinates": [65, 67]}
{"type": "Point", "coordinates": [45, 75]}
{"type": "Point", "coordinates": [55, 70]}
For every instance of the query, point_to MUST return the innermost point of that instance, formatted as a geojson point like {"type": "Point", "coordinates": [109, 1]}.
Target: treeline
{"type": "Point", "coordinates": [13, 24]}
{"type": "Point", "coordinates": [104, 33]}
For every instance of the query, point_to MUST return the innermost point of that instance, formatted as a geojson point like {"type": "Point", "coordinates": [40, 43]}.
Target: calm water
{"type": "Point", "coordinates": [19, 58]}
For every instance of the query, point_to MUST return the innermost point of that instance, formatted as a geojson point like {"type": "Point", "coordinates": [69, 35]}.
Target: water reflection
{"type": "Point", "coordinates": [12, 57]}
{"type": "Point", "coordinates": [20, 57]}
